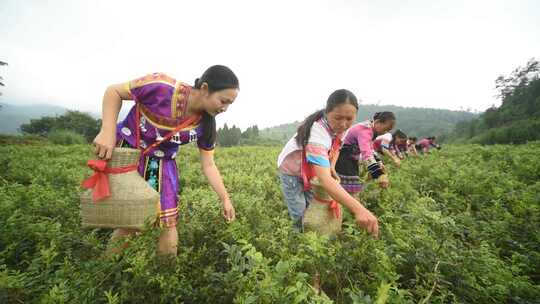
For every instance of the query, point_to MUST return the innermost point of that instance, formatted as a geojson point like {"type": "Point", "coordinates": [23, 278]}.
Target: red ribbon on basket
{"type": "Point", "coordinates": [333, 205]}
{"type": "Point", "coordinates": [99, 182]}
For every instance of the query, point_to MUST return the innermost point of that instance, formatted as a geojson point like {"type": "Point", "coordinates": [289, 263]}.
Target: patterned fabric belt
{"type": "Point", "coordinates": [351, 184]}
{"type": "Point", "coordinates": [346, 179]}
{"type": "Point", "coordinates": [156, 153]}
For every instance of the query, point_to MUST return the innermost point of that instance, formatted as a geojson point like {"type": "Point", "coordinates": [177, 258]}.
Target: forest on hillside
{"type": "Point", "coordinates": [418, 122]}
{"type": "Point", "coordinates": [517, 120]}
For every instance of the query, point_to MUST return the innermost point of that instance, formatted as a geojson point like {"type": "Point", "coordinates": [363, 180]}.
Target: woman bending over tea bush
{"type": "Point", "coordinates": [171, 113]}
{"type": "Point", "coordinates": [310, 155]}
{"type": "Point", "coordinates": [358, 148]}
{"type": "Point", "coordinates": [386, 145]}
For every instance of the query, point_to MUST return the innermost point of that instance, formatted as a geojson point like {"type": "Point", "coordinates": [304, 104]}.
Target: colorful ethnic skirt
{"type": "Point", "coordinates": [161, 174]}
{"type": "Point", "coordinates": [348, 171]}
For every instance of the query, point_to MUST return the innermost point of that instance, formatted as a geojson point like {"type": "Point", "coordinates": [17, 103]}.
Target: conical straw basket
{"type": "Point", "coordinates": [132, 200]}
{"type": "Point", "coordinates": [318, 216]}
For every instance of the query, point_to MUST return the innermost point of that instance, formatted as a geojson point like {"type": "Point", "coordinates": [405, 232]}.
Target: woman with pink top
{"type": "Point", "coordinates": [411, 146]}
{"type": "Point", "coordinates": [398, 145]}
{"type": "Point", "coordinates": [358, 146]}
{"type": "Point", "coordinates": [426, 144]}
{"type": "Point", "coordinates": [387, 143]}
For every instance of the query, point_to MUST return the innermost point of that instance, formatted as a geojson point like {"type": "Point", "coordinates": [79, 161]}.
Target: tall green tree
{"type": "Point", "coordinates": [228, 137]}
{"type": "Point", "coordinates": [74, 121]}
{"type": "Point", "coordinates": [517, 120]}
{"type": "Point", "coordinates": [519, 78]}
{"type": "Point", "coordinates": [251, 132]}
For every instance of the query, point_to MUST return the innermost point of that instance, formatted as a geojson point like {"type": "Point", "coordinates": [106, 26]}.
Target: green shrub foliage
{"type": "Point", "coordinates": [65, 137]}
{"type": "Point", "coordinates": [457, 226]}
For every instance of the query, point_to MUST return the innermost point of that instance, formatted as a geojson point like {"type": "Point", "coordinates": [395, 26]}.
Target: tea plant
{"type": "Point", "coordinates": [458, 226]}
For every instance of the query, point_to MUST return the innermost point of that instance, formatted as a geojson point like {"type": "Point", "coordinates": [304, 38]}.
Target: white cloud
{"type": "Point", "coordinates": [289, 55]}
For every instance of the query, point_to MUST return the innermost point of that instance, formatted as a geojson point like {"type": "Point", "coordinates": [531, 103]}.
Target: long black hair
{"type": "Point", "coordinates": [335, 99]}
{"type": "Point", "coordinates": [217, 77]}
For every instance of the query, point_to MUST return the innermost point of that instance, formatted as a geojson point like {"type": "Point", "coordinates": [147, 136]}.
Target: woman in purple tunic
{"type": "Point", "coordinates": [162, 105]}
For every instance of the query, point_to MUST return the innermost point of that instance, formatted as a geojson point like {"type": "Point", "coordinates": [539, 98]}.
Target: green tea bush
{"type": "Point", "coordinates": [66, 137]}
{"type": "Point", "coordinates": [457, 226]}
{"type": "Point", "coordinates": [25, 139]}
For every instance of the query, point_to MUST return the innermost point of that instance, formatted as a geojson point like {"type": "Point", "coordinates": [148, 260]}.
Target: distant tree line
{"type": "Point", "coordinates": [75, 127]}
{"type": "Point", "coordinates": [71, 127]}
{"type": "Point", "coordinates": [417, 122]}
{"type": "Point", "coordinates": [233, 136]}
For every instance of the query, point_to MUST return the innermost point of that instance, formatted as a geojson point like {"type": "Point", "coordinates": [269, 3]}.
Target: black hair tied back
{"type": "Point", "coordinates": [338, 97]}
{"type": "Point", "coordinates": [384, 116]}
{"type": "Point", "coordinates": [217, 78]}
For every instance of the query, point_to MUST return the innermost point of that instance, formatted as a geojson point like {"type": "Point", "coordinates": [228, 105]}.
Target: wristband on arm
{"type": "Point", "coordinates": [375, 170]}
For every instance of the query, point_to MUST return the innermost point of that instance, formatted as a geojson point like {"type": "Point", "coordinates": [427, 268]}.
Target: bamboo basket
{"type": "Point", "coordinates": [132, 202]}
{"type": "Point", "coordinates": [318, 216]}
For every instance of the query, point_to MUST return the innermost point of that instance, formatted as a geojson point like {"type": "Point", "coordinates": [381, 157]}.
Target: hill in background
{"type": "Point", "coordinates": [13, 116]}
{"type": "Point", "coordinates": [419, 122]}
{"type": "Point", "coordinates": [517, 120]}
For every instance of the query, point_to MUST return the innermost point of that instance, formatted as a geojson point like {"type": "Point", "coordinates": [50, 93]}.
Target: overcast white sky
{"type": "Point", "coordinates": [289, 55]}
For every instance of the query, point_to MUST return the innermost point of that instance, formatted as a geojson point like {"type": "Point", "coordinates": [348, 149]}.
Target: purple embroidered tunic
{"type": "Point", "coordinates": [162, 101]}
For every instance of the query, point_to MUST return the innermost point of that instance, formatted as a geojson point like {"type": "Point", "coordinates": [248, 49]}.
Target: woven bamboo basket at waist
{"type": "Point", "coordinates": [318, 216]}
{"type": "Point", "coordinates": [132, 202]}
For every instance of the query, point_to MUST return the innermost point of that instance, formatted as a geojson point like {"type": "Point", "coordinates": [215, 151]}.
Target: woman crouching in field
{"type": "Point", "coordinates": [358, 147]}
{"type": "Point", "coordinates": [312, 152]}
{"type": "Point", "coordinates": [411, 146]}
{"type": "Point", "coordinates": [425, 145]}
{"type": "Point", "coordinates": [167, 106]}
{"type": "Point", "coordinates": [386, 145]}
{"type": "Point", "coordinates": [398, 146]}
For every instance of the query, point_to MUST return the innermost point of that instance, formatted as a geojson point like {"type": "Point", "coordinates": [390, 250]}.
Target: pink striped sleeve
{"type": "Point", "coordinates": [317, 154]}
